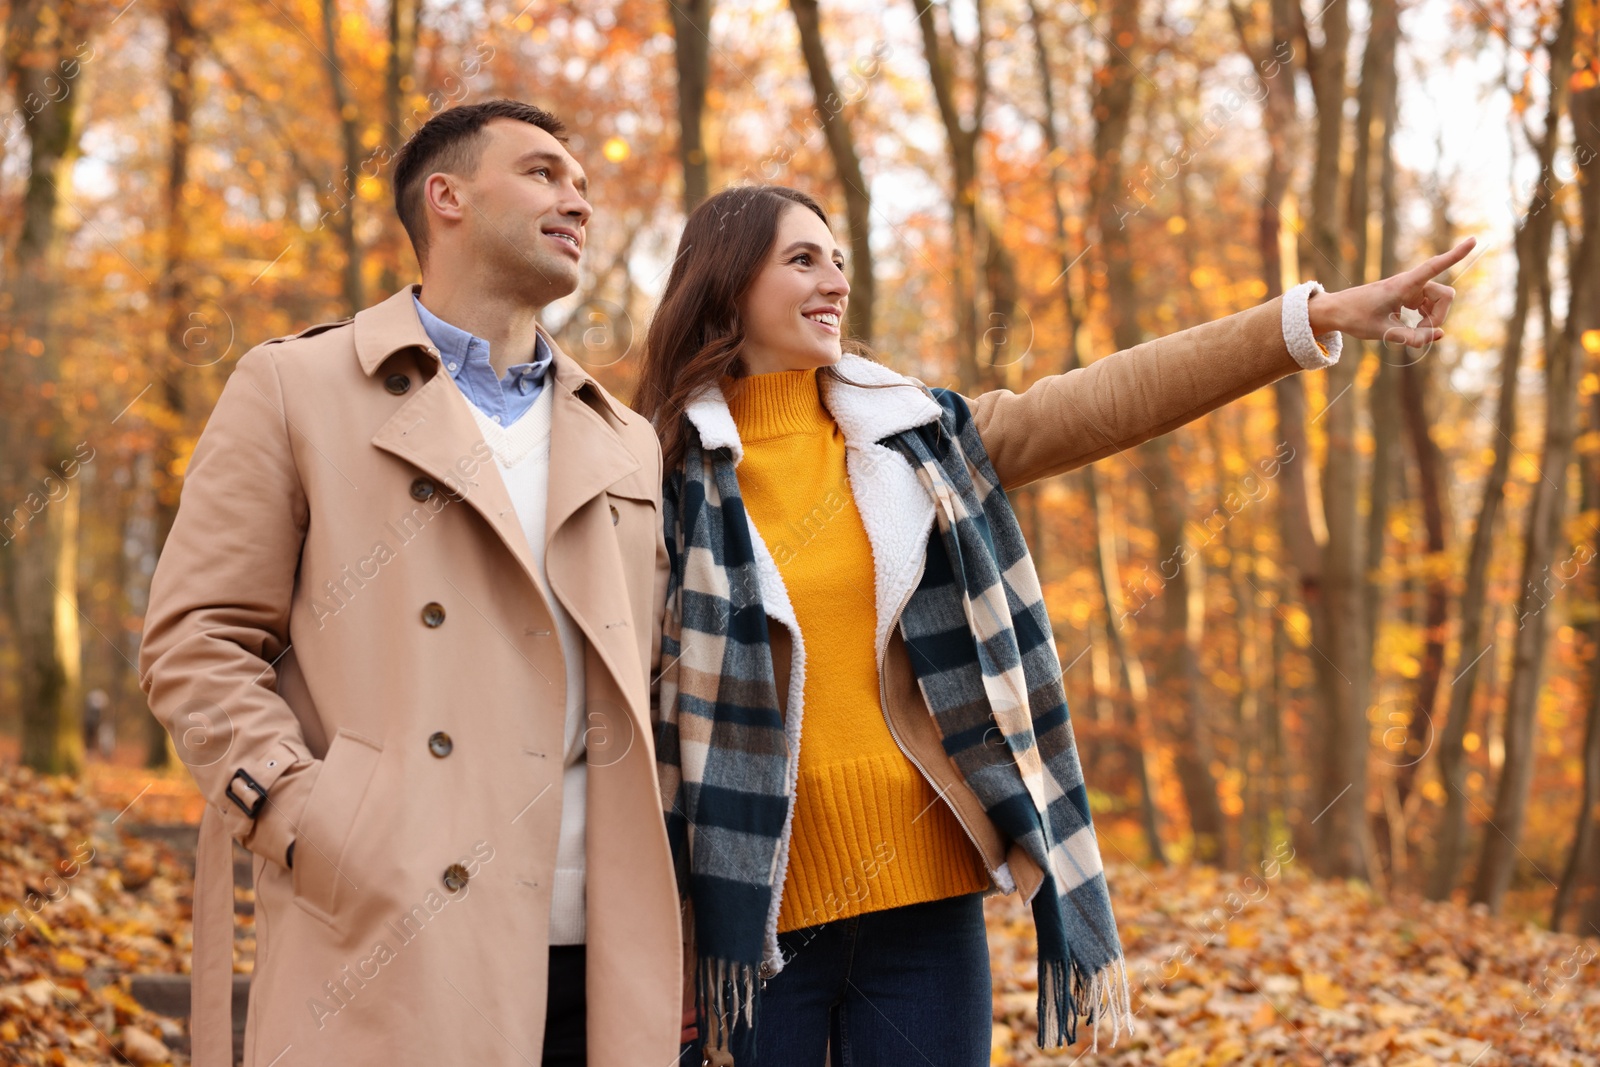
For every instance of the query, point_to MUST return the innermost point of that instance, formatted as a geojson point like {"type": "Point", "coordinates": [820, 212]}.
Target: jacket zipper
{"type": "Point", "coordinates": [883, 701]}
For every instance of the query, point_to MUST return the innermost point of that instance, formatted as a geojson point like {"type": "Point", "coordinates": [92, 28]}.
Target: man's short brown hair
{"type": "Point", "coordinates": [452, 141]}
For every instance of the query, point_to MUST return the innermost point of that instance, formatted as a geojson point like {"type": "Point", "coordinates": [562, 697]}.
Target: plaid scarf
{"type": "Point", "coordinates": [980, 642]}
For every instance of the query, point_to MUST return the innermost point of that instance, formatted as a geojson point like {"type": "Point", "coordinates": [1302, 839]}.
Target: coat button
{"type": "Point", "coordinates": [614, 515]}
{"type": "Point", "coordinates": [455, 877]}
{"type": "Point", "coordinates": [439, 744]}
{"type": "Point", "coordinates": [397, 383]}
{"type": "Point", "coordinates": [433, 614]}
{"type": "Point", "coordinates": [421, 489]}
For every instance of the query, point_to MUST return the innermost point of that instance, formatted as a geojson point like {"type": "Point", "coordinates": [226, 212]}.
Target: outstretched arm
{"type": "Point", "coordinates": [1065, 421]}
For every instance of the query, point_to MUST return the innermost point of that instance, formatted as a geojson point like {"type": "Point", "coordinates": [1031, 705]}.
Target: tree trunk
{"type": "Point", "coordinates": [1183, 591]}
{"type": "Point", "coordinates": [1374, 130]}
{"type": "Point", "coordinates": [398, 78]}
{"type": "Point", "coordinates": [1583, 862]}
{"type": "Point", "coordinates": [1302, 526]}
{"type": "Point", "coordinates": [1546, 517]}
{"type": "Point", "coordinates": [39, 536]}
{"type": "Point", "coordinates": [962, 134]}
{"type": "Point", "coordinates": [691, 35]}
{"type": "Point", "coordinates": [1417, 388]}
{"type": "Point", "coordinates": [344, 214]}
{"type": "Point", "coordinates": [1343, 843]}
{"type": "Point", "coordinates": [847, 165]}
{"type": "Point", "coordinates": [174, 295]}
{"type": "Point", "coordinates": [1095, 508]}
{"type": "Point", "coordinates": [1254, 821]}
{"type": "Point", "coordinates": [1531, 242]}
{"type": "Point", "coordinates": [1182, 619]}
{"type": "Point", "coordinates": [1133, 677]}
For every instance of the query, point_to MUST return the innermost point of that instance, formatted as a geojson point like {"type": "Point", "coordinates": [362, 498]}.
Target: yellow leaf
{"type": "Point", "coordinates": [1229, 1051]}
{"type": "Point", "coordinates": [1183, 1057]}
{"type": "Point", "coordinates": [1322, 991]}
{"type": "Point", "coordinates": [44, 929]}
{"type": "Point", "coordinates": [70, 961]}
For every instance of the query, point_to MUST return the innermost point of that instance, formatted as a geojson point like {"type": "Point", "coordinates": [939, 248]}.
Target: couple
{"type": "Point", "coordinates": [504, 685]}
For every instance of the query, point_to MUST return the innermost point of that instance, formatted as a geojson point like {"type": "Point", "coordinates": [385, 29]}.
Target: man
{"type": "Point", "coordinates": [401, 632]}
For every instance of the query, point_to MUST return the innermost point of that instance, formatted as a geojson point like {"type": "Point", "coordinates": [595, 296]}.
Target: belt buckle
{"type": "Point", "coordinates": [261, 794]}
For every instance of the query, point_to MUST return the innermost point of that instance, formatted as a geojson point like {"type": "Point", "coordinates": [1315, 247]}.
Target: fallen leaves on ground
{"type": "Point", "coordinates": [1230, 967]}
{"type": "Point", "coordinates": [1269, 966]}
{"type": "Point", "coordinates": [82, 907]}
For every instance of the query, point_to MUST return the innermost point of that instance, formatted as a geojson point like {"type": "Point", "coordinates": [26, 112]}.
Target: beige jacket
{"type": "Point", "coordinates": [346, 610]}
{"type": "Point", "coordinates": [1061, 423]}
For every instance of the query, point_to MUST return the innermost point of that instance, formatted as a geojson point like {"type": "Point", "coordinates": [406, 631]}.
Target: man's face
{"type": "Point", "coordinates": [524, 210]}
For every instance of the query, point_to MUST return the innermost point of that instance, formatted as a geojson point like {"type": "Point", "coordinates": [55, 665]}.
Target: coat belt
{"type": "Point", "coordinates": [211, 978]}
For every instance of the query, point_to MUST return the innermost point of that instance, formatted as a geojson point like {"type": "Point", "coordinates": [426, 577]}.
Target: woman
{"type": "Point", "coordinates": [861, 723]}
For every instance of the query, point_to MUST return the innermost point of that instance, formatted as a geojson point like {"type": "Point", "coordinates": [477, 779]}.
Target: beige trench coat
{"type": "Point", "coordinates": [346, 610]}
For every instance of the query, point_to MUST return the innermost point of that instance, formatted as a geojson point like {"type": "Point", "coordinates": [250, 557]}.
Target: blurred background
{"type": "Point", "coordinates": [1331, 650]}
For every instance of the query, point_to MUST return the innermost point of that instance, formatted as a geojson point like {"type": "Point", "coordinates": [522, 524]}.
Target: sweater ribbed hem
{"type": "Point", "coordinates": [775, 405]}
{"type": "Point", "coordinates": [871, 834]}
{"type": "Point", "coordinates": [567, 912]}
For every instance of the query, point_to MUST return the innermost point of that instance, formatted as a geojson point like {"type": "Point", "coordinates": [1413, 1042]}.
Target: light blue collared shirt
{"type": "Point", "coordinates": [466, 357]}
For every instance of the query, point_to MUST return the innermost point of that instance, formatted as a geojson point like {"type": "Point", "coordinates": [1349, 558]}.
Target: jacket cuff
{"type": "Point", "coordinates": [282, 772]}
{"type": "Point", "coordinates": [1311, 351]}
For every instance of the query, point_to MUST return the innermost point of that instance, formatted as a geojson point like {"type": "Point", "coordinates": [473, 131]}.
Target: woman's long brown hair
{"type": "Point", "coordinates": [696, 336]}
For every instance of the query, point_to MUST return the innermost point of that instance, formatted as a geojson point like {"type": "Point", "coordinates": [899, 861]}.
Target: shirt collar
{"type": "Point", "coordinates": [457, 346]}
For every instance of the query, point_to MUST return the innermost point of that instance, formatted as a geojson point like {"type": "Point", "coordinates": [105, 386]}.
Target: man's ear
{"type": "Point", "coordinates": [442, 195]}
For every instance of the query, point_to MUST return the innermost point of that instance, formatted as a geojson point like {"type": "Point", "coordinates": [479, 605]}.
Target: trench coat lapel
{"type": "Point", "coordinates": [434, 430]}
{"type": "Point", "coordinates": [586, 571]}
{"type": "Point", "coordinates": [586, 454]}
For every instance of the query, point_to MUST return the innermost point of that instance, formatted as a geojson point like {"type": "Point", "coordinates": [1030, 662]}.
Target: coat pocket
{"type": "Point", "coordinates": [330, 814]}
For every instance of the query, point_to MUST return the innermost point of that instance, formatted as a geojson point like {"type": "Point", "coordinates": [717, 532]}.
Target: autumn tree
{"type": "Point", "coordinates": [1545, 532]}
{"type": "Point", "coordinates": [44, 49]}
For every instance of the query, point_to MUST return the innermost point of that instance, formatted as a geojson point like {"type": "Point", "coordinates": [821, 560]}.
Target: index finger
{"type": "Point", "coordinates": [1439, 264]}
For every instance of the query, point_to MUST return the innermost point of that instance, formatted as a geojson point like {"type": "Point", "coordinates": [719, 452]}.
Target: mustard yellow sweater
{"type": "Point", "coordinates": [869, 832]}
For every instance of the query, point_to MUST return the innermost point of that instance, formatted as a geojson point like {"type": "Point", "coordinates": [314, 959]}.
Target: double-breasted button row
{"type": "Point", "coordinates": [455, 877]}
{"type": "Point", "coordinates": [433, 614]}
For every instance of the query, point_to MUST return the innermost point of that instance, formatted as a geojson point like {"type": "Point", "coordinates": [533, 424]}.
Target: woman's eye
{"type": "Point", "coordinates": [802, 258]}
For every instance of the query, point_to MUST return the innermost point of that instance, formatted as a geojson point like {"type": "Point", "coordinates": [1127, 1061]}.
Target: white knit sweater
{"type": "Point", "coordinates": [522, 453]}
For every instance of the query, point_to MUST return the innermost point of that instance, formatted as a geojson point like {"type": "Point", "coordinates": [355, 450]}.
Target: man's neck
{"type": "Point", "coordinates": [510, 326]}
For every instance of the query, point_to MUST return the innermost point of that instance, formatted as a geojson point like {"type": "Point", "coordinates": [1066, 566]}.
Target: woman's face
{"type": "Point", "coordinates": [794, 312]}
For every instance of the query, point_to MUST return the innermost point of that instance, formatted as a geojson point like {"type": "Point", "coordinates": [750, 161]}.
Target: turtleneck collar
{"type": "Point", "coordinates": [779, 404]}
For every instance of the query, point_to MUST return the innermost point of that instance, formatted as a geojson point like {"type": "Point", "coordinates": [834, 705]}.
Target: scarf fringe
{"type": "Point", "coordinates": [1099, 997]}
{"type": "Point", "coordinates": [726, 992]}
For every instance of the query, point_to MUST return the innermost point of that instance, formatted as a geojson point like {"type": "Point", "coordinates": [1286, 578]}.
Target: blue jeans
{"type": "Point", "coordinates": [906, 985]}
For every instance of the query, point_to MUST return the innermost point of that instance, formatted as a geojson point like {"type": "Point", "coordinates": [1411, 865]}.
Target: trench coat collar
{"type": "Point", "coordinates": [587, 454]}
{"type": "Point", "coordinates": [393, 325]}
